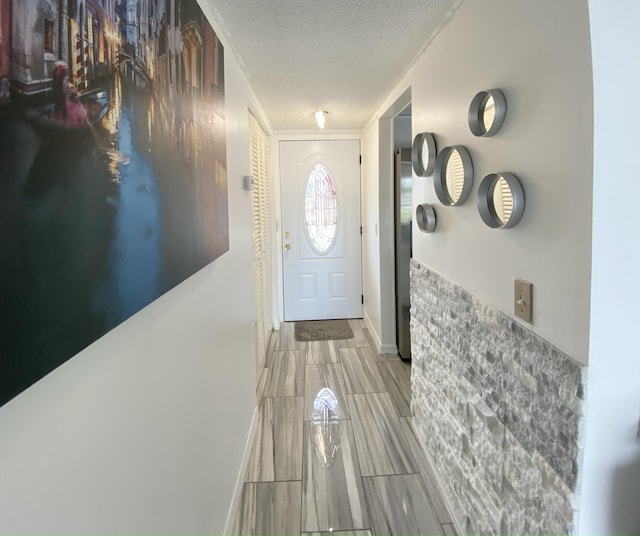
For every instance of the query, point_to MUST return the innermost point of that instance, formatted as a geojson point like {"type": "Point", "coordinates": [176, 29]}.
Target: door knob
{"type": "Point", "coordinates": [287, 234]}
{"type": "Point", "coordinates": [287, 247]}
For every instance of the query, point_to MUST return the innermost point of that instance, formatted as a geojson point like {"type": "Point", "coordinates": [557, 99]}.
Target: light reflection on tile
{"type": "Point", "coordinates": [332, 494]}
{"type": "Point", "coordinates": [269, 508]}
{"type": "Point", "coordinates": [397, 378]}
{"type": "Point", "coordinates": [319, 377]}
{"type": "Point", "coordinates": [322, 352]}
{"type": "Point", "coordinates": [382, 447]}
{"type": "Point", "coordinates": [361, 373]}
{"type": "Point", "coordinates": [286, 374]}
{"type": "Point", "coordinates": [399, 505]}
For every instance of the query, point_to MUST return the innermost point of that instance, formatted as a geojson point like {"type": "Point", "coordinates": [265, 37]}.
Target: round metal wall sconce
{"type": "Point", "coordinates": [423, 154]}
{"type": "Point", "coordinates": [487, 112]}
{"type": "Point", "coordinates": [501, 200]}
{"type": "Point", "coordinates": [453, 178]}
{"type": "Point", "coordinates": [426, 218]}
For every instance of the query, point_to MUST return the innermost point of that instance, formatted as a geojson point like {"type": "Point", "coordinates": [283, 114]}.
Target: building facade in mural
{"type": "Point", "coordinates": [81, 32]}
{"type": "Point", "coordinates": [5, 50]}
{"type": "Point", "coordinates": [89, 34]}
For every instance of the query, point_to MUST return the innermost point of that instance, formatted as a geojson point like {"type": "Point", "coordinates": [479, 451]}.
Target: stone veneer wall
{"type": "Point", "coordinates": [498, 410]}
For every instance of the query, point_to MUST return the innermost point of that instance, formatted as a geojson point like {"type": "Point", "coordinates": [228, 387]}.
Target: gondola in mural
{"type": "Point", "coordinates": [113, 155]}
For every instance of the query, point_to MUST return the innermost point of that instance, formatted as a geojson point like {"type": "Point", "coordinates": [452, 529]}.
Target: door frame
{"type": "Point", "coordinates": [306, 135]}
{"type": "Point", "coordinates": [386, 231]}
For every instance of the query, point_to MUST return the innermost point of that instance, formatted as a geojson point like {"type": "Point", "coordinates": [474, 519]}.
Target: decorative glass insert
{"type": "Point", "coordinates": [320, 209]}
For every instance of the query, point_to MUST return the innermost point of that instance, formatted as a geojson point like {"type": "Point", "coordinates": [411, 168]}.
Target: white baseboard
{"type": "Point", "coordinates": [237, 490]}
{"type": "Point", "coordinates": [388, 349]}
{"type": "Point", "coordinates": [381, 348]}
{"type": "Point", "coordinates": [372, 331]}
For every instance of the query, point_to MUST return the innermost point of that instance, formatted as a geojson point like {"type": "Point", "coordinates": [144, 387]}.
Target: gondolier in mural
{"type": "Point", "coordinates": [60, 90]}
{"type": "Point", "coordinates": [65, 103]}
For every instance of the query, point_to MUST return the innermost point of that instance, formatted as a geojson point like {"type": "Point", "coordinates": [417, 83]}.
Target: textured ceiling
{"type": "Point", "coordinates": [342, 56]}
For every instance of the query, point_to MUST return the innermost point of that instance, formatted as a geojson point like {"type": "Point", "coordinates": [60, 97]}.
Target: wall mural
{"type": "Point", "coordinates": [113, 182]}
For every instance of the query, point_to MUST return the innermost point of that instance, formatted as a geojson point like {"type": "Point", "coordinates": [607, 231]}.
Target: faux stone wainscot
{"type": "Point", "coordinates": [497, 408]}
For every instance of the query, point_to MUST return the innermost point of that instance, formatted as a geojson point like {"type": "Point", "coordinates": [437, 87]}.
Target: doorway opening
{"type": "Point", "coordinates": [403, 217]}
{"type": "Point", "coordinates": [386, 211]}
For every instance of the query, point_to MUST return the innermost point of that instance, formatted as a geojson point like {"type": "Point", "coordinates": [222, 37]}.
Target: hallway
{"type": "Point", "coordinates": [334, 451]}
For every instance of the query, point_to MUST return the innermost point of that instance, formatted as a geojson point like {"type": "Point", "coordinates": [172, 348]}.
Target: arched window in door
{"type": "Point", "coordinates": [321, 210]}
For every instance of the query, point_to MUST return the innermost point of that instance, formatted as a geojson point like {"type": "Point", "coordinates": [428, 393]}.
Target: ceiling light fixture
{"type": "Point", "coordinates": [321, 117]}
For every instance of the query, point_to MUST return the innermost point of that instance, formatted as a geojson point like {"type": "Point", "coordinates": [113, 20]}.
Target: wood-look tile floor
{"type": "Point", "coordinates": [335, 451]}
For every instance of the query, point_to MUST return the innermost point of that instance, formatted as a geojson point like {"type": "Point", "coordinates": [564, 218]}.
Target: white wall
{"type": "Point", "coordinates": [370, 235]}
{"type": "Point", "coordinates": [611, 468]}
{"type": "Point", "coordinates": [143, 432]}
{"type": "Point", "coordinates": [538, 54]}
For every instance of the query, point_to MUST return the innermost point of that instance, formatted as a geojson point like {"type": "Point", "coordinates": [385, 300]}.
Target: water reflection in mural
{"type": "Point", "coordinates": [100, 217]}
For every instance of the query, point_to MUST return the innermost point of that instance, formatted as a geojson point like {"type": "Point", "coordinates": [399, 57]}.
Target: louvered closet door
{"type": "Point", "coordinates": [261, 214]}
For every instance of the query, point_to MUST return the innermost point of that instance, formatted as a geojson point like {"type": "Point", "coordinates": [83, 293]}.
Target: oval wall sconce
{"type": "Point", "coordinates": [487, 112]}
{"type": "Point", "coordinates": [423, 154]}
{"type": "Point", "coordinates": [501, 200]}
{"type": "Point", "coordinates": [453, 178]}
{"type": "Point", "coordinates": [426, 218]}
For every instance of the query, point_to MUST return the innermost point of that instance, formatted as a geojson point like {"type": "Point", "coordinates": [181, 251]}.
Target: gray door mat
{"type": "Point", "coordinates": [322, 330]}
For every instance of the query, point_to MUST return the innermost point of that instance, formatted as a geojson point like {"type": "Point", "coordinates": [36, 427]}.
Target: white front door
{"type": "Point", "coordinates": [320, 191]}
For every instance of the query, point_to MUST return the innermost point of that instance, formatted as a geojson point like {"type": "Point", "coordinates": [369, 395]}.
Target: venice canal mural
{"type": "Point", "coordinates": [104, 210]}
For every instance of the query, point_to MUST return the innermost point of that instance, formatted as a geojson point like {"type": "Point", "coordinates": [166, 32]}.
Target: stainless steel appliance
{"type": "Point", "coordinates": [403, 219]}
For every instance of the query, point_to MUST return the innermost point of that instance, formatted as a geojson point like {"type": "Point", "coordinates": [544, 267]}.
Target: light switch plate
{"type": "Point", "coordinates": [523, 299]}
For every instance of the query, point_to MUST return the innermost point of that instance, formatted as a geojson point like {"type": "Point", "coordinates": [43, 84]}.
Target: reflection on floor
{"type": "Point", "coordinates": [335, 451]}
